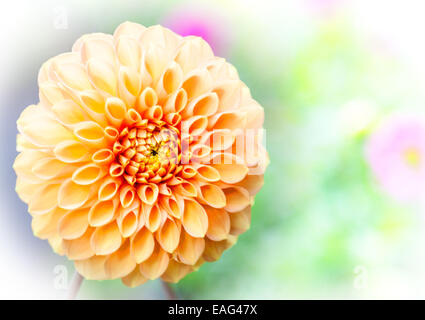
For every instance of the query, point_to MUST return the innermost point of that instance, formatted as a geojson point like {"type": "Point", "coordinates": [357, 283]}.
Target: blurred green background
{"type": "Point", "coordinates": [326, 72]}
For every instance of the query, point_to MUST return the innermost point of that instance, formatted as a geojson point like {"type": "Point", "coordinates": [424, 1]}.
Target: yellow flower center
{"type": "Point", "coordinates": [412, 157]}
{"type": "Point", "coordinates": [147, 152]}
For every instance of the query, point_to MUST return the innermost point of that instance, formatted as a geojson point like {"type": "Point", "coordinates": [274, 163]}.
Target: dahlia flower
{"type": "Point", "coordinates": [396, 155]}
{"type": "Point", "coordinates": [142, 157]}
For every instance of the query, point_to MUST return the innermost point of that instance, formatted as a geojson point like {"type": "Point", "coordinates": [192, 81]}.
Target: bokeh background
{"type": "Point", "coordinates": [341, 214]}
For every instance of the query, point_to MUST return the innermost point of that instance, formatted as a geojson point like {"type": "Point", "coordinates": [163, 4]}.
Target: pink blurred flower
{"type": "Point", "coordinates": [325, 7]}
{"type": "Point", "coordinates": [202, 22]}
{"type": "Point", "coordinates": [396, 155]}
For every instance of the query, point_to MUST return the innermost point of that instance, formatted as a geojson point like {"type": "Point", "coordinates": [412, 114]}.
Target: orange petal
{"type": "Point", "coordinates": [74, 224]}
{"type": "Point", "coordinates": [142, 245]}
{"type": "Point", "coordinates": [92, 268]}
{"type": "Point", "coordinates": [153, 217]}
{"type": "Point", "coordinates": [252, 183]}
{"type": "Point", "coordinates": [87, 175]}
{"type": "Point", "coordinates": [168, 236]}
{"type": "Point", "coordinates": [134, 278]}
{"type": "Point", "coordinates": [240, 221]}
{"type": "Point", "coordinates": [44, 200]}
{"type": "Point", "coordinates": [49, 168]}
{"type": "Point", "coordinates": [120, 263]}
{"type": "Point", "coordinates": [108, 189]}
{"type": "Point", "coordinates": [147, 99]}
{"type": "Point", "coordinates": [176, 102]}
{"type": "Point", "coordinates": [237, 199]}
{"type": "Point", "coordinates": [212, 195]}
{"type": "Point", "coordinates": [102, 157]}
{"type": "Point", "coordinates": [90, 133]}
{"type": "Point", "coordinates": [204, 105]}
{"type": "Point", "coordinates": [207, 173]}
{"type": "Point", "coordinates": [148, 193]}
{"type": "Point", "coordinates": [230, 168]}
{"type": "Point", "coordinates": [71, 151]}
{"type": "Point", "coordinates": [127, 195]}
{"type": "Point", "coordinates": [102, 212]}
{"type": "Point", "coordinates": [218, 224]}
{"type": "Point", "coordinates": [106, 239]}
{"type": "Point", "coordinates": [197, 83]}
{"type": "Point", "coordinates": [195, 219]}
{"type": "Point", "coordinates": [72, 196]}
{"type": "Point", "coordinates": [46, 225]}
{"type": "Point", "coordinates": [175, 271]}
{"type": "Point", "coordinates": [115, 111]}
{"type": "Point", "coordinates": [214, 249]}
{"type": "Point", "coordinates": [79, 249]}
{"type": "Point", "coordinates": [155, 265]}
{"type": "Point", "coordinates": [73, 75]}
{"type": "Point", "coordinates": [171, 80]}
{"type": "Point", "coordinates": [190, 249]}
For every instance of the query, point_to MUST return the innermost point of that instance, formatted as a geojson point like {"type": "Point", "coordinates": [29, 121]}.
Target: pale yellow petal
{"type": "Point", "coordinates": [130, 29]}
{"type": "Point", "coordinates": [72, 196]}
{"type": "Point", "coordinates": [44, 200]}
{"type": "Point", "coordinates": [79, 249]}
{"type": "Point", "coordinates": [71, 151]}
{"type": "Point", "coordinates": [120, 263]}
{"type": "Point", "coordinates": [92, 268]}
{"type": "Point", "coordinates": [46, 225]}
{"type": "Point", "coordinates": [68, 112]}
{"type": "Point", "coordinates": [128, 52]}
{"type": "Point", "coordinates": [103, 76]}
{"type": "Point", "coordinates": [229, 94]}
{"type": "Point", "coordinates": [40, 129]}
{"type": "Point", "coordinates": [74, 224]}
{"type": "Point", "coordinates": [102, 212]}
{"type": "Point", "coordinates": [108, 189]}
{"type": "Point", "coordinates": [106, 239]}
{"type": "Point", "coordinates": [87, 174]}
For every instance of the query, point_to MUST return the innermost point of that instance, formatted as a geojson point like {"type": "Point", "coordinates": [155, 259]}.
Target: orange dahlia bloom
{"type": "Point", "coordinates": [143, 156]}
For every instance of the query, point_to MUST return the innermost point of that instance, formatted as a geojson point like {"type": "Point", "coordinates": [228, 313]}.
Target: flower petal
{"type": "Point", "coordinates": [155, 265]}
{"type": "Point", "coordinates": [190, 249]}
{"type": "Point", "coordinates": [218, 224]}
{"type": "Point", "coordinates": [74, 224]}
{"type": "Point", "coordinates": [72, 196]}
{"type": "Point", "coordinates": [106, 239]}
{"type": "Point", "coordinates": [120, 263]}
{"type": "Point", "coordinates": [195, 219]}
{"type": "Point", "coordinates": [142, 245]}
{"type": "Point", "coordinates": [168, 236]}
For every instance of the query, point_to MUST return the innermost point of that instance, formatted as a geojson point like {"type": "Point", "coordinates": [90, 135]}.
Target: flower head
{"type": "Point", "coordinates": [396, 154]}
{"type": "Point", "coordinates": [143, 156]}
